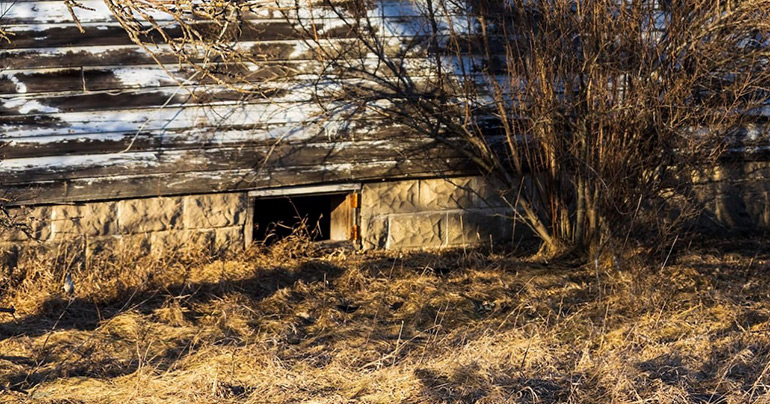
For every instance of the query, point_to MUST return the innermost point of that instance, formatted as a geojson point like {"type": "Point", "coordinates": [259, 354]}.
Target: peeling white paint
{"type": "Point", "coordinates": [25, 106]}
{"type": "Point", "coordinates": [146, 159]}
{"type": "Point", "coordinates": [144, 76]}
{"type": "Point", "coordinates": [196, 136]}
{"type": "Point", "coordinates": [46, 12]}
{"type": "Point", "coordinates": [21, 88]}
{"type": "Point", "coordinates": [168, 118]}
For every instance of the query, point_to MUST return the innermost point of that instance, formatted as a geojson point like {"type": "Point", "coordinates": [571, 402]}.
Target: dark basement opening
{"type": "Point", "coordinates": [327, 217]}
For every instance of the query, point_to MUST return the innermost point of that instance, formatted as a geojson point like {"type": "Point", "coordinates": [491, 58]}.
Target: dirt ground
{"type": "Point", "coordinates": [289, 324]}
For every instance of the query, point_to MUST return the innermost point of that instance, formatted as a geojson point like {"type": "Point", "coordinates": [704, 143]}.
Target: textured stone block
{"type": "Point", "coordinates": [374, 232]}
{"type": "Point", "coordinates": [91, 219]}
{"type": "Point", "coordinates": [454, 228]}
{"type": "Point", "coordinates": [39, 221]}
{"type": "Point", "coordinates": [214, 210]}
{"type": "Point", "coordinates": [228, 239]}
{"type": "Point", "coordinates": [13, 234]}
{"type": "Point", "coordinates": [735, 196]}
{"type": "Point", "coordinates": [730, 211]}
{"type": "Point", "coordinates": [35, 219]}
{"type": "Point", "coordinates": [725, 205]}
{"type": "Point", "coordinates": [416, 231]}
{"type": "Point", "coordinates": [134, 243]}
{"type": "Point", "coordinates": [450, 193]}
{"type": "Point", "coordinates": [432, 213]}
{"type": "Point", "coordinates": [102, 245]}
{"type": "Point", "coordinates": [390, 197]}
{"type": "Point", "coordinates": [148, 215]}
{"type": "Point", "coordinates": [178, 240]}
{"type": "Point", "coordinates": [484, 226]}
{"type": "Point", "coordinates": [491, 194]}
{"type": "Point", "coordinates": [758, 205]}
{"type": "Point", "coordinates": [754, 170]}
{"type": "Point", "coordinates": [475, 227]}
{"type": "Point", "coordinates": [9, 257]}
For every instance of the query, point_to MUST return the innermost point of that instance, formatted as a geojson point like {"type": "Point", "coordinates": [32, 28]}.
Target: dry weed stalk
{"type": "Point", "coordinates": [5, 35]}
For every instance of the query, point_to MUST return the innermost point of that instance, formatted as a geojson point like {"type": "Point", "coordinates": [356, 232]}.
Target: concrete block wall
{"type": "Point", "coordinates": [433, 213]}
{"type": "Point", "coordinates": [215, 220]}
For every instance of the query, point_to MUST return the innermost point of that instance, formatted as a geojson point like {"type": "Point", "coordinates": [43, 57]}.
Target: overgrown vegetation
{"type": "Point", "coordinates": [581, 112]}
{"type": "Point", "coordinates": [469, 326]}
{"type": "Point", "coordinates": [589, 116]}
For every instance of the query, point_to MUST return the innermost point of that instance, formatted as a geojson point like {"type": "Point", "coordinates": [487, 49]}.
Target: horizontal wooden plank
{"type": "Point", "coordinates": [52, 168]}
{"type": "Point", "coordinates": [301, 90]}
{"type": "Point", "coordinates": [306, 190]}
{"type": "Point", "coordinates": [131, 186]}
{"type": "Point", "coordinates": [126, 55]}
{"type": "Point", "coordinates": [43, 122]}
{"type": "Point", "coordinates": [117, 78]}
{"type": "Point", "coordinates": [44, 82]}
{"type": "Point", "coordinates": [49, 12]}
{"type": "Point", "coordinates": [276, 74]}
{"type": "Point", "coordinates": [287, 50]}
{"type": "Point", "coordinates": [142, 98]}
{"type": "Point", "coordinates": [110, 34]}
{"type": "Point", "coordinates": [43, 146]}
{"type": "Point", "coordinates": [25, 106]}
{"type": "Point", "coordinates": [96, 11]}
{"type": "Point", "coordinates": [198, 138]}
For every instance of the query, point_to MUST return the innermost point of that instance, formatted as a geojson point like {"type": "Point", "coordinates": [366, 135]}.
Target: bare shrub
{"type": "Point", "coordinates": [586, 113]}
{"type": "Point", "coordinates": [207, 41]}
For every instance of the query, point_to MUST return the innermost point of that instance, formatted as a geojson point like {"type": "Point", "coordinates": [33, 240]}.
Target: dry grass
{"type": "Point", "coordinates": [282, 325]}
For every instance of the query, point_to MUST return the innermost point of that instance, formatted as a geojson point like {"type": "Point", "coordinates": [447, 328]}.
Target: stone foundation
{"type": "Point", "coordinates": [213, 221]}
{"type": "Point", "coordinates": [407, 214]}
{"type": "Point", "coordinates": [434, 213]}
{"type": "Point", "coordinates": [438, 213]}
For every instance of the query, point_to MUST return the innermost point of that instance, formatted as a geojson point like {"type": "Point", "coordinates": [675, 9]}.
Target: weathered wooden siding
{"type": "Point", "coordinates": [89, 116]}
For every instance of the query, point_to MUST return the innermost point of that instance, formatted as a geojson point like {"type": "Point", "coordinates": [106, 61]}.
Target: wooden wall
{"type": "Point", "coordinates": [91, 116]}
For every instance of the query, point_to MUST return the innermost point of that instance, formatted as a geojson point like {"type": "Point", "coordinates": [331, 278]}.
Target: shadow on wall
{"type": "Point", "coordinates": [736, 197]}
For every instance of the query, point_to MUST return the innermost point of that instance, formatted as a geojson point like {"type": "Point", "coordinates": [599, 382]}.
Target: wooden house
{"type": "Point", "coordinates": [100, 142]}
{"type": "Point", "coordinates": [104, 140]}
